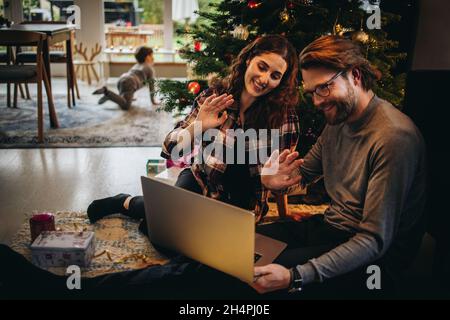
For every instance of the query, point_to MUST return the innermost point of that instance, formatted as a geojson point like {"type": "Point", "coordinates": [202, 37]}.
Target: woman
{"type": "Point", "coordinates": [260, 93]}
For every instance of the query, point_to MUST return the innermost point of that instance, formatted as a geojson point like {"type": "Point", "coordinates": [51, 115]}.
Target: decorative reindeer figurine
{"type": "Point", "coordinates": [88, 64]}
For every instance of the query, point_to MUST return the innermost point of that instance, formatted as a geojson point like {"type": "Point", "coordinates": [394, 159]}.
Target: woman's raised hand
{"type": "Point", "coordinates": [212, 112]}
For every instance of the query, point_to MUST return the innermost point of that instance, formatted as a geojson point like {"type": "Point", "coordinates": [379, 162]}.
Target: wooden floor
{"type": "Point", "coordinates": [64, 179]}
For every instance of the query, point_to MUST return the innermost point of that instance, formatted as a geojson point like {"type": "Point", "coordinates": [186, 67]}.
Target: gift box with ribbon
{"type": "Point", "coordinates": [63, 248]}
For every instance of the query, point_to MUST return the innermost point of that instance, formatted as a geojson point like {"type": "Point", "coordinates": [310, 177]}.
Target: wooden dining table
{"type": "Point", "coordinates": [55, 33]}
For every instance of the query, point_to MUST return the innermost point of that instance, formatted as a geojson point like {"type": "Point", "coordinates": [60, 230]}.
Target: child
{"type": "Point", "coordinates": [140, 74]}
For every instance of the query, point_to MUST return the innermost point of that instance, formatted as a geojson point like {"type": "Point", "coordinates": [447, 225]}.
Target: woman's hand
{"type": "Point", "coordinates": [212, 111]}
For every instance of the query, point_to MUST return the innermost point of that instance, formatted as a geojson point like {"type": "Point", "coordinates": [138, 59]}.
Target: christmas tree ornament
{"type": "Point", "coordinates": [194, 87]}
{"type": "Point", "coordinates": [290, 5]}
{"type": "Point", "coordinates": [240, 32]}
{"type": "Point", "coordinates": [252, 4]}
{"type": "Point", "coordinates": [197, 46]}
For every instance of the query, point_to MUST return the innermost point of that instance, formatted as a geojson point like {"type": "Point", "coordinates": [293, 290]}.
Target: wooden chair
{"type": "Point", "coordinates": [87, 65]}
{"type": "Point", "coordinates": [6, 58]}
{"type": "Point", "coordinates": [27, 73]}
{"type": "Point", "coordinates": [282, 205]}
{"type": "Point", "coordinates": [65, 57]}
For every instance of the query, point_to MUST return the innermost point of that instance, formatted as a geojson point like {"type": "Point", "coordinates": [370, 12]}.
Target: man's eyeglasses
{"type": "Point", "coordinates": [323, 90]}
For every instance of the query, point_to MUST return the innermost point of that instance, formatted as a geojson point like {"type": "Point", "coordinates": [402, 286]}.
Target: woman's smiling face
{"type": "Point", "coordinates": [264, 73]}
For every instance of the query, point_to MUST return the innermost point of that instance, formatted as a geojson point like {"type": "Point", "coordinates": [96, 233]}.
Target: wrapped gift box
{"type": "Point", "coordinates": [155, 166]}
{"type": "Point", "coordinates": [63, 248]}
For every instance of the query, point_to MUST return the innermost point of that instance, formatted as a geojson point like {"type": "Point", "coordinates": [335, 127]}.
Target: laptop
{"type": "Point", "coordinates": [214, 233]}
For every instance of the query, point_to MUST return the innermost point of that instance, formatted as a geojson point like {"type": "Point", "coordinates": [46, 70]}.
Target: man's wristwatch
{"type": "Point", "coordinates": [296, 281]}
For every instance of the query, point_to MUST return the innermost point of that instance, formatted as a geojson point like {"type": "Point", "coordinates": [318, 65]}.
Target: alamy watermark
{"type": "Point", "coordinates": [372, 8]}
{"type": "Point", "coordinates": [74, 280]}
{"type": "Point", "coordinates": [232, 146]}
{"type": "Point", "coordinates": [374, 280]}
{"type": "Point", "coordinates": [75, 18]}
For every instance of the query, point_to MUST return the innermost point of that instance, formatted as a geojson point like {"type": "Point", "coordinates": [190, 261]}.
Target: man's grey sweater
{"type": "Point", "coordinates": [374, 173]}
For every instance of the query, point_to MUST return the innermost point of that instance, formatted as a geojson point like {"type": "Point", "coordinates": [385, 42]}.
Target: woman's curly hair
{"type": "Point", "coordinates": [270, 109]}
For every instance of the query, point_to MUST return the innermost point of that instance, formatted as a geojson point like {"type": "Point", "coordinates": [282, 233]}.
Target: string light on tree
{"type": "Point", "coordinates": [360, 36]}
{"type": "Point", "coordinates": [240, 32]}
{"type": "Point", "coordinates": [340, 30]}
{"type": "Point", "coordinates": [284, 15]}
{"type": "Point", "coordinates": [194, 87]}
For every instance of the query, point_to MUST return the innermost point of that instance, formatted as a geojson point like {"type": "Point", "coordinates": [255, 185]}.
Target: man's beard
{"type": "Point", "coordinates": [344, 108]}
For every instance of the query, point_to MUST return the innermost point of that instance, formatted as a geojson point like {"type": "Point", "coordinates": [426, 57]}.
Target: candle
{"type": "Point", "coordinates": [44, 221]}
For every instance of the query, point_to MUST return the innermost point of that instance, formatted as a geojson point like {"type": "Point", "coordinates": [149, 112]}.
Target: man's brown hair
{"type": "Point", "coordinates": [338, 53]}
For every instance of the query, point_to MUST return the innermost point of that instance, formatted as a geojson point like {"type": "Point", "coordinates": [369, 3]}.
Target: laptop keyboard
{"type": "Point", "coordinates": [257, 257]}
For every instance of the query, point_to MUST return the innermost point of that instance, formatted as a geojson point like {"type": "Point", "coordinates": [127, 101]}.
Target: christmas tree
{"type": "Point", "coordinates": [216, 40]}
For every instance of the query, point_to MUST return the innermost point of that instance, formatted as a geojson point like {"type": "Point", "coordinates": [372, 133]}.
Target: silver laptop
{"type": "Point", "coordinates": [206, 230]}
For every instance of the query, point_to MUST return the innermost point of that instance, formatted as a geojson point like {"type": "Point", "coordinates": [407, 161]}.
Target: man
{"type": "Point", "coordinates": [372, 159]}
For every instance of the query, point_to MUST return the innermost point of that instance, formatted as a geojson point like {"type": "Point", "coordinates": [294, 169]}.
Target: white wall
{"type": "Point", "coordinates": [168, 25]}
{"type": "Point", "coordinates": [92, 25]}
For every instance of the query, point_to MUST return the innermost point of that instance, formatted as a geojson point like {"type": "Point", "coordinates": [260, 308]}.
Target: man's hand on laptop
{"type": "Point", "coordinates": [281, 170]}
{"type": "Point", "coordinates": [271, 278]}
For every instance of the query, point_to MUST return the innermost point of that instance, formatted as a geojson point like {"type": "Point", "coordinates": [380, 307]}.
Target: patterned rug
{"type": "Point", "coordinates": [86, 125]}
{"type": "Point", "coordinates": [119, 245]}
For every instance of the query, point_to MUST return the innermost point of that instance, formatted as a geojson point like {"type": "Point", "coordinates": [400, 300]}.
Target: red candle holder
{"type": "Point", "coordinates": [41, 222]}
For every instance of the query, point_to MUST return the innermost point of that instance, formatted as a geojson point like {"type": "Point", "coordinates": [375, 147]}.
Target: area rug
{"type": "Point", "coordinates": [88, 124]}
{"type": "Point", "coordinates": [119, 245]}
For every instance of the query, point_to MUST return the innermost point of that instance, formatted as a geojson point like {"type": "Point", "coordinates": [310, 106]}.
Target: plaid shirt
{"type": "Point", "coordinates": [209, 173]}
